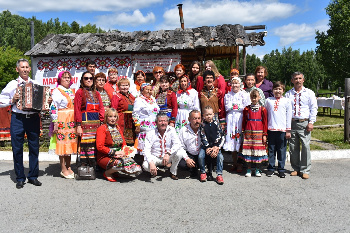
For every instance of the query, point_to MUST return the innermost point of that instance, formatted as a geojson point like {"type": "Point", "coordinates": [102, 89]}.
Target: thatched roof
{"type": "Point", "coordinates": [226, 35]}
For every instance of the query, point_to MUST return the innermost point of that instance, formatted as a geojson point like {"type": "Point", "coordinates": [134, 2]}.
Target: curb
{"type": "Point", "coordinates": [315, 155]}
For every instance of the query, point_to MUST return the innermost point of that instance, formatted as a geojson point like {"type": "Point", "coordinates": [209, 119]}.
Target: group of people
{"type": "Point", "coordinates": [181, 121]}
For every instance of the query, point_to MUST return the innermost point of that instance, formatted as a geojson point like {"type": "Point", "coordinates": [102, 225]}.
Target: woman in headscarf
{"type": "Point", "coordinates": [187, 100]}
{"type": "Point", "coordinates": [144, 114]}
{"type": "Point", "coordinates": [62, 115]}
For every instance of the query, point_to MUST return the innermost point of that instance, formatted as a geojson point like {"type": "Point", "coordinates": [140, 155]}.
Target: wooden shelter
{"type": "Point", "coordinates": [201, 43]}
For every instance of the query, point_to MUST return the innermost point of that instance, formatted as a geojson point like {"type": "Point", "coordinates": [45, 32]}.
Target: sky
{"type": "Point", "coordinates": [289, 23]}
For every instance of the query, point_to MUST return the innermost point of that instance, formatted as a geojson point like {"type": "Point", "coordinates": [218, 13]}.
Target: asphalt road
{"type": "Point", "coordinates": [266, 204]}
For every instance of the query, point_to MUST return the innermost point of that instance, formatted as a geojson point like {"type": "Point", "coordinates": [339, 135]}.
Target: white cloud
{"type": "Point", "coordinates": [227, 12]}
{"type": "Point", "coordinates": [76, 5]}
{"type": "Point", "coordinates": [259, 51]}
{"type": "Point", "coordinates": [292, 32]}
{"type": "Point", "coordinates": [134, 19]}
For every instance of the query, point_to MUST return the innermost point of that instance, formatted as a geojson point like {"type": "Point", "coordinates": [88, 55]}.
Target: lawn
{"type": "Point", "coordinates": [334, 136]}
{"type": "Point", "coordinates": [329, 120]}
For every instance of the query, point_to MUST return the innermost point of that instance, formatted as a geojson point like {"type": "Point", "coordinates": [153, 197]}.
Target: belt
{"type": "Point", "coordinates": [24, 115]}
{"type": "Point", "coordinates": [300, 120]}
{"type": "Point", "coordinates": [254, 119]}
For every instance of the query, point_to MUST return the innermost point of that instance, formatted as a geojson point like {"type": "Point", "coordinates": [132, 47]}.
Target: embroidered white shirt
{"type": "Point", "coordinates": [158, 146]}
{"type": "Point", "coordinates": [9, 91]}
{"type": "Point", "coordinates": [304, 104]}
{"type": "Point", "coordinates": [279, 112]}
{"type": "Point", "coordinates": [59, 101]}
{"type": "Point", "coordinates": [191, 141]}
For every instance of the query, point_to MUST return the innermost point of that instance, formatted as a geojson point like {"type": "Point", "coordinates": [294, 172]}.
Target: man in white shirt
{"type": "Point", "coordinates": [191, 142]}
{"type": "Point", "coordinates": [304, 108]}
{"type": "Point", "coordinates": [22, 122]}
{"type": "Point", "coordinates": [162, 148]}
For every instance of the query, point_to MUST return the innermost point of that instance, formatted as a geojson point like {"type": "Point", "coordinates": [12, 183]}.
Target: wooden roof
{"type": "Point", "coordinates": [223, 36]}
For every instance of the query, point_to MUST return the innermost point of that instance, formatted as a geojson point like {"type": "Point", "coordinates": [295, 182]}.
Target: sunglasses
{"type": "Point", "coordinates": [88, 78]}
{"type": "Point", "coordinates": [158, 72]}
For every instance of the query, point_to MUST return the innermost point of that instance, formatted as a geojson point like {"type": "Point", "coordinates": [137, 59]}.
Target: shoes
{"type": "Point", "coordinates": [305, 176]}
{"type": "Point", "coordinates": [174, 177]}
{"type": "Point", "coordinates": [269, 173]}
{"type": "Point", "coordinates": [257, 173]}
{"type": "Point", "coordinates": [294, 173]}
{"type": "Point", "coordinates": [282, 175]}
{"type": "Point", "coordinates": [110, 179]}
{"type": "Point", "coordinates": [210, 177]}
{"type": "Point", "coordinates": [203, 177]}
{"type": "Point", "coordinates": [219, 180]}
{"type": "Point", "coordinates": [35, 182]}
{"type": "Point", "coordinates": [249, 173]}
{"type": "Point", "coordinates": [70, 176]}
{"type": "Point", "coordinates": [20, 184]}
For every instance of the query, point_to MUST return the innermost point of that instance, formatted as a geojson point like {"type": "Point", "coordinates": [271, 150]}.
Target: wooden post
{"type": "Point", "coordinates": [231, 63]}
{"type": "Point", "coordinates": [244, 61]}
{"type": "Point", "coordinates": [347, 111]}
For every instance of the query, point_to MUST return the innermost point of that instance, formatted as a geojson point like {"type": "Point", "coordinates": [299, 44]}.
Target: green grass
{"type": "Point", "coordinates": [7, 147]}
{"type": "Point", "coordinates": [334, 136]}
{"type": "Point", "coordinates": [329, 120]}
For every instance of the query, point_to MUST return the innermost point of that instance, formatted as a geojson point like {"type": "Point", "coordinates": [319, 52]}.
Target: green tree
{"type": "Point", "coordinates": [8, 59]}
{"type": "Point", "coordinates": [334, 44]}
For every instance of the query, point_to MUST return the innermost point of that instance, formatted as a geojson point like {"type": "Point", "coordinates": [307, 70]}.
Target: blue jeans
{"type": "Point", "coordinates": [20, 124]}
{"type": "Point", "coordinates": [202, 158]}
{"type": "Point", "coordinates": [277, 144]}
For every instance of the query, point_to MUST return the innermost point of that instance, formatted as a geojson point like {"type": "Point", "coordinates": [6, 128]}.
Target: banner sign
{"type": "Point", "coordinates": [46, 69]}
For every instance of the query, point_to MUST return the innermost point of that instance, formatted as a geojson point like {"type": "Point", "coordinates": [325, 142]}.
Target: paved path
{"type": "Point", "coordinates": [266, 204]}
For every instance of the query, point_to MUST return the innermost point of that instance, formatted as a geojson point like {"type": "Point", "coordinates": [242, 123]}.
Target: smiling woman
{"type": "Point", "coordinates": [62, 115]}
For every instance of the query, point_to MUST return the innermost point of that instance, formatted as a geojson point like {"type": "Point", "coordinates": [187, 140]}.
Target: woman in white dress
{"type": "Point", "coordinates": [144, 114]}
{"type": "Point", "coordinates": [235, 101]}
{"type": "Point", "coordinates": [187, 100]}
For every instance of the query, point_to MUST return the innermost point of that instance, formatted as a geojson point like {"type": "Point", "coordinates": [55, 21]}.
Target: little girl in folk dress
{"type": "Point", "coordinates": [254, 126]}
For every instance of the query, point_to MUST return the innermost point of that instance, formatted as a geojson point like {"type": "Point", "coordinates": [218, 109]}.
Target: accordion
{"type": "Point", "coordinates": [33, 97]}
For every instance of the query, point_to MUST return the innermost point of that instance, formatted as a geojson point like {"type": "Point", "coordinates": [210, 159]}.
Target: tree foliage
{"type": "Point", "coordinates": [15, 30]}
{"type": "Point", "coordinates": [280, 66]}
{"type": "Point", "coordinates": [8, 59]}
{"type": "Point", "coordinates": [334, 45]}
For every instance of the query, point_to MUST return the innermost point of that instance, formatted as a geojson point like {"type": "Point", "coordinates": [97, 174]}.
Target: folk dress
{"type": "Point", "coordinates": [254, 127]}
{"type": "Point", "coordinates": [186, 101]}
{"type": "Point", "coordinates": [62, 112]}
{"type": "Point", "coordinates": [89, 113]}
{"type": "Point", "coordinates": [109, 139]}
{"type": "Point", "coordinates": [144, 115]}
{"type": "Point", "coordinates": [167, 103]}
{"type": "Point", "coordinates": [124, 104]}
{"type": "Point", "coordinates": [234, 105]}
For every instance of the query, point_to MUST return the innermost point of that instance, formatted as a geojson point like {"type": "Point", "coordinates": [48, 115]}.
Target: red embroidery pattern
{"type": "Point", "coordinates": [162, 152]}
{"type": "Point", "coordinates": [80, 63]}
{"type": "Point", "coordinates": [277, 103]}
{"type": "Point", "coordinates": [295, 104]}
